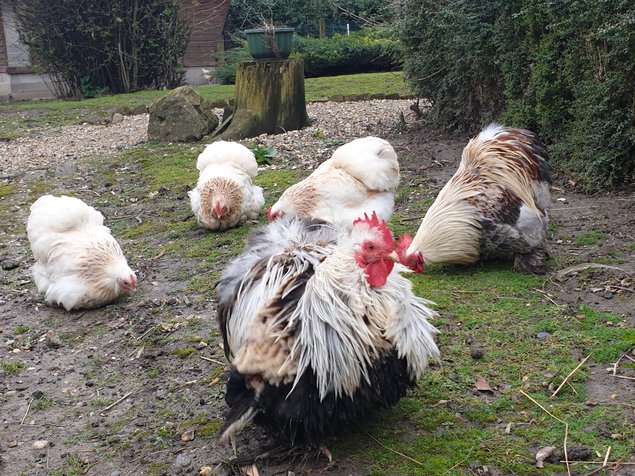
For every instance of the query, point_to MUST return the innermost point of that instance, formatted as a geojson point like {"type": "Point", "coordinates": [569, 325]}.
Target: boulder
{"type": "Point", "coordinates": [183, 115]}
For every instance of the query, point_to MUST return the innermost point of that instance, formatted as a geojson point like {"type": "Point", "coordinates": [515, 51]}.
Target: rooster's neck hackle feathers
{"type": "Point", "coordinates": [511, 157]}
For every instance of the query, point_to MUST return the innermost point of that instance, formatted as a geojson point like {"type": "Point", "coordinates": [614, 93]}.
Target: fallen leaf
{"type": "Point", "coordinates": [580, 316]}
{"type": "Point", "coordinates": [206, 471]}
{"type": "Point", "coordinates": [482, 385]}
{"type": "Point", "coordinates": [154, 283]}
{"type": "Point", "coordinates": [187, 435]}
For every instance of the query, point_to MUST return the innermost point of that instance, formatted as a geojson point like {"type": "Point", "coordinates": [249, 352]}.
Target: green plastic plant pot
{"type": "Point", "coordinates": [269, 43]}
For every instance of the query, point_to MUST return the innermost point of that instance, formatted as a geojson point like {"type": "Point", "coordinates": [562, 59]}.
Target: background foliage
{"type": "Point", "coordinates": [93, 46]}
{"type": "Point", "coordinates": [305, 16]}
{"type": "Point", "coordinates": [565, 69]}
{"type": "Point", "coordinates": [364, 51]}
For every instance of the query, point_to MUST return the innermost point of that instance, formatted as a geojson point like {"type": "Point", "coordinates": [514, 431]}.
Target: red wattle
{"type": "Point", "coordinates": [377, 272]}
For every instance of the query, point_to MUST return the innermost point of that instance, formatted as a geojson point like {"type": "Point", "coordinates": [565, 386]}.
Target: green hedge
{"type": "Point", "coordinates": [565, 69]}
{"type": "Point", "coordinates": [364, 51]}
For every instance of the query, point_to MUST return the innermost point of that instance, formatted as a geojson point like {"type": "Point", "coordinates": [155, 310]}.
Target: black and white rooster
{"type": "Point", "coordinates": [320, 329]}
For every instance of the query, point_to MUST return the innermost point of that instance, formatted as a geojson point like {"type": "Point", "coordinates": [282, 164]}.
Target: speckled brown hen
{"type": "Point", "coordinates": [224, 196]}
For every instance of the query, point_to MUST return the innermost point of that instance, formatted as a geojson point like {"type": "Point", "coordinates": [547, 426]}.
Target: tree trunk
{"type": "Point", "coordinates": [269, 98]}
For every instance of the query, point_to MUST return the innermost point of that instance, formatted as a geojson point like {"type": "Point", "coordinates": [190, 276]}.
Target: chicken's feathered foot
{"type": "Point", "coordinates": [533, 262]}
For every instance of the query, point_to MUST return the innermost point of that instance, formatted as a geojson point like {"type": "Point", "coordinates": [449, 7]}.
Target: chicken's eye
{"type": "Point", "coordinates": [370, 246]}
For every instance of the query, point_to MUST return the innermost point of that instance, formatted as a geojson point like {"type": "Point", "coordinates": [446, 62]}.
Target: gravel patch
{"type": "Point", "coordinates": [334, 123]}
{"type": "Point", "coordinates": [53, 146]}
{"type": "Point", "coordinates": [331, 123]}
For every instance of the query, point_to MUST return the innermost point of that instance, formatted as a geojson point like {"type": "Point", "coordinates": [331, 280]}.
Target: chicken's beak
{"type": "Point", "coordinates": [393, 256]}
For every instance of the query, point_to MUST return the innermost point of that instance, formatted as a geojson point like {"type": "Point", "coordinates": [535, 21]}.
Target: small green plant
{"type": "Point", "coordinates": [184, 353]}
{"type": "Point", "coordinates": [42, 403]}
{"type": "Point", "coordinates": [21, 329]}
{"type": "Point", "coordinates": [589, 238]}
{"type": "Point", "coordinates": [264, 155]}
{"type": "Point", "coordinates": [12, 367]}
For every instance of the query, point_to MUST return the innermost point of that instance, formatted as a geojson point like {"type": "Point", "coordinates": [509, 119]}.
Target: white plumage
{"type": "Point", "coordinates": [360, 177]}
{"type": "Point", "coordinates": [78, 263]}
{"type": "Point", "coordinates": [224, 196]}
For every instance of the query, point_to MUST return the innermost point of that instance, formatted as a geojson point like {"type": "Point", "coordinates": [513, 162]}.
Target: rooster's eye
{"type": "Point", "coordinates": [370, 247]}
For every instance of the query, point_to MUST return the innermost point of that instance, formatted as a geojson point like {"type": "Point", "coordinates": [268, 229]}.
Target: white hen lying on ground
{"type": "Point", "coordinates": [361, 177]}
{"type": "Point", "coordinates": [78, 263]}
{"type": "Point", "coordinates": [224, 196]}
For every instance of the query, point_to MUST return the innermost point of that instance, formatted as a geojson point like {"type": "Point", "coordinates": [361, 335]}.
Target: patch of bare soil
{"type": "Point", "coordinates": [118, 390]}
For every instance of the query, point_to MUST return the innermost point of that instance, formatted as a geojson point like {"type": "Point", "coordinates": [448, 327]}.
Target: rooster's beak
{"type": "Point", "coordinates": [393, 256]}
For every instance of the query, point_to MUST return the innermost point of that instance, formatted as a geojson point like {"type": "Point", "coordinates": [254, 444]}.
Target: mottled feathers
{"type": "Point", "coordinates": [224, 196]}
{"type": "Point", "coordinates": [312, 344]}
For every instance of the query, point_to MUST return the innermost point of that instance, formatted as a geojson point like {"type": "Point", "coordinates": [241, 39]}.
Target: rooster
{"type": "Point", "coordinates": [224, 196]}
{"type": "Point", "coordinates": [359, 178]}
{"type": "Point", "coordinates": [495, 205]}
{"type": "Point", "coordinates": [78, 263]}
{"type": "Point", "coordinates": [320, 330]}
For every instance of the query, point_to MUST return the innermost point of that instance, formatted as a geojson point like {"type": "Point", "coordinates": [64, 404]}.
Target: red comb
{"type": "Point", "coordinates": [403, 243]}
{"type": "Point", "coordinates": [269, 214]}
{"type": "Point", "coordinates": [374, 222]}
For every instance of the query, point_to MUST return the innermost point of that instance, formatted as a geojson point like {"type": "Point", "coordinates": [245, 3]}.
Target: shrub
{"type": "Point", "coordinates": [364, 51]}
{"type": "Point", "coordinates": [92, 46]}
{"type": "Point", "coordinates": [564, 69]}
{"type": "Point", "coordinates": [226, 71]}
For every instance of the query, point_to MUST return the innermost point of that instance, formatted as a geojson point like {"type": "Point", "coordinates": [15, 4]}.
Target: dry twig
{"type": "Point", "coordinates": [218, 362]}
{"type": "Point", "coordinates": [27, 411]}
{"type": "Point", "coordinates": [394, 451]}
{"type": "Point", "coordinates": [109, 407]}
{"type": "Point", "coordinates": [570, 374]}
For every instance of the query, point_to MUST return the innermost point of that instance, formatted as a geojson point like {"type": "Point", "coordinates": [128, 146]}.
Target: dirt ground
{"type": "Point", "coordinates": [94, 398]}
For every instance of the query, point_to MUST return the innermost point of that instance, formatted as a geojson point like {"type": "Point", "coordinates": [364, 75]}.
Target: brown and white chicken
{"type": "Point", "coordinates": [495, 205]}
{"type": "Point", "coordinates": [320, 328]}
{"type": "Point", "coordinates": [78, 263]}
{"type": "Point", "coordinates": [361, 177]}
{"type": "Point", "coordinates": [224, 196]}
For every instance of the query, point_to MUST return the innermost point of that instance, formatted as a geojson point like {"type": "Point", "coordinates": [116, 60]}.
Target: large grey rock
{"type": "Point", "coordinates": [183, 115]}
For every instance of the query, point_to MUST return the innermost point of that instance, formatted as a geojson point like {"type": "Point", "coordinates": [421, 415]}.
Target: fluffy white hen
{"type": "Point", "coordinates": [361, 177]}
{"type": "Point", "coordinates": [78, 263]}
{"type": "Point", "coordinates": [224, 196]}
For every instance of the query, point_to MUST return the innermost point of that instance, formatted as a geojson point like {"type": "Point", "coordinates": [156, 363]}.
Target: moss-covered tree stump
{"type": "Point", "coordinates": [269, 98]}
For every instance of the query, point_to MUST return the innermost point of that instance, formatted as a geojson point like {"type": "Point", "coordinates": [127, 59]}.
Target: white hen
{"type": "Point", "coordinates": [361, 177]}
{"type": "Point", "coordinates": [78, 263]}
{"type": "Point", "coordinates": [224, 196]}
